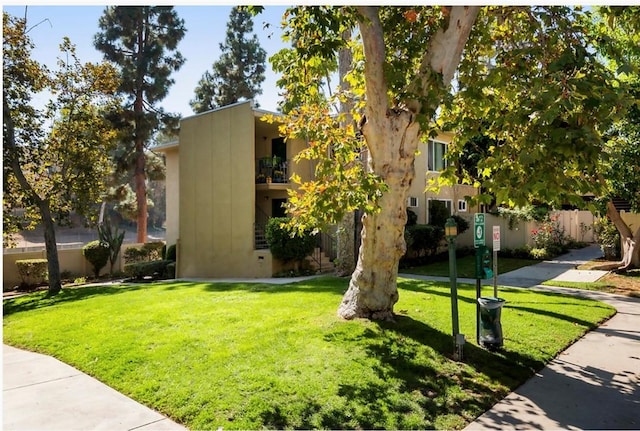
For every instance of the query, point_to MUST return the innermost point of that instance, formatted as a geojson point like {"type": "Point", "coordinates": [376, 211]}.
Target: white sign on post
{"type": "Point", "coordinates": [478, 229]}
{"type": "Point", "coordinates": [496, 238]}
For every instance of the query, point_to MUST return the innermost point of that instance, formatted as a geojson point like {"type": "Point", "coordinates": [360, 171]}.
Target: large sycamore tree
{"type": "Point", "coordinates": [524, 76]}
{"type": "Point", "coordinates": [141, 41]}
{"type": "Point", "coordinates": [55, 158]}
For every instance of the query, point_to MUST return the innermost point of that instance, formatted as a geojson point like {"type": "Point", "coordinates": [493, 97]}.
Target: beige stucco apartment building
{"type": "Point", "coordinates": [229, 172]}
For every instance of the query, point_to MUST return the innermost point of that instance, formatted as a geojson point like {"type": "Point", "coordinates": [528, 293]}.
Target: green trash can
{"type": "Point", "coordinates": [490, 327]}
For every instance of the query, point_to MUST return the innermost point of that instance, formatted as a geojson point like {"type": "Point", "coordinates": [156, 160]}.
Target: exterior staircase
{"type": "Point", "coordinates": [320, 262]}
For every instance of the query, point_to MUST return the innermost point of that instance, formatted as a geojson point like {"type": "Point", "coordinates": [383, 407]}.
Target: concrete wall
{"type": "Point", "coordinates": [217, 195]}
{"type": "Point", "coordinates": [577, 225]}
{"type": "Point", "coordinates": [71, 259]}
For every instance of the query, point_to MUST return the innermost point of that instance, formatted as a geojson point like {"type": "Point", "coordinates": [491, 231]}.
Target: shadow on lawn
{"type": "Point", "coordinates": [42, 299]}
{"type": "Point", "coordinates": [427, 287]}
{"type": "Point", "coordinates": [417, 379]}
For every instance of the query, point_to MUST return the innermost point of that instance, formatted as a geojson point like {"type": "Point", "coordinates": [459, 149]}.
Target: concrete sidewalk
{"type": "Point", "coordinates": [42, 393]}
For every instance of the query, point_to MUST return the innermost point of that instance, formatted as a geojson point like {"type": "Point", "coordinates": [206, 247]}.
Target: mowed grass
{"type": "Point", "coordinates": [249, 356]}
{"type": "Point", "coordinates": [466, 267]}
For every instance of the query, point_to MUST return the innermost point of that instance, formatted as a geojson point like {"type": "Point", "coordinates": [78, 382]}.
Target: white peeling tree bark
{"type": "Point", "coordinates": [392, 134]}
{"type": "Point", "coordinates": [629, 241]}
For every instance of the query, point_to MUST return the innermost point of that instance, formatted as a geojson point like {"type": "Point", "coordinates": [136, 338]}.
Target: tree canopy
{"type": "Point", "coordinates": [56, 159]}
{"type": "Point", "coordinates": [239, 72]}
{"type": "Point", "coordinates": [528, 78]}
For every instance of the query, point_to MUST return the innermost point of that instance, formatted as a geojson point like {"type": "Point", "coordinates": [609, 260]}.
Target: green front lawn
{"type": "Point", "coordinates": [466, 267]}
{"type": "Point", "coordinates": [249, 356]}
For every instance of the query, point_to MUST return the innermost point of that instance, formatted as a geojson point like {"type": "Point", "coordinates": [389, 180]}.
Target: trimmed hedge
{"type": "Point", "coordinates": [33, 272]}
{"type": "Point", "coordinates": [285, 247]}
{"type": "Point", "coordinates": [97, 253]}
{"type": "Point", "coordinates": [157, 269]}
{"type": "Point", "coordinates": [150, 251]}
{"type": "Point", "coordinates": [423, 238]}
{"type": "Point", "coordinates": [171, 253]}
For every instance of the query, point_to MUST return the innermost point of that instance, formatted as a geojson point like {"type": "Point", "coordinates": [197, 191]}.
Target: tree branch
{"type": "Point", "coordinates": [374, 52]}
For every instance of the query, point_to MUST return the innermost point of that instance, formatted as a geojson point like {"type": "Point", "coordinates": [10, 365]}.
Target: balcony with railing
{"type": "Point", "coordinates": [272, 170]}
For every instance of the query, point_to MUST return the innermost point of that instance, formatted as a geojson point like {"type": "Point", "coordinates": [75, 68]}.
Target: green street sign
{"type": "Point", "coordinates": [478, 230]}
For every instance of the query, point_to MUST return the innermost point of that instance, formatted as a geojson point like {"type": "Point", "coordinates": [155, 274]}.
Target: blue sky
{"type": "Point", "coordinates": [206, 27]}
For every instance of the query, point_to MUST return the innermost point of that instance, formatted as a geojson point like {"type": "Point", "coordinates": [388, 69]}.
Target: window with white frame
{"type": "Point", "coordinates": [412, 202]}
{"type": "Point", "coordinates": [462, 206]}
{"type": "Point", "coordinates": [435, 156]}
{"type": "Point", "coordinates": [437, 208]}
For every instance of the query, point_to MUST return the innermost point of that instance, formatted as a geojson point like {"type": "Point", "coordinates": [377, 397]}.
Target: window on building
{"type": "Point", "coordinates": [435, 156]}
{"type": "Point", "coordinates": [462, 205]}
{"type": "Point", "coordinates": [412, 202]}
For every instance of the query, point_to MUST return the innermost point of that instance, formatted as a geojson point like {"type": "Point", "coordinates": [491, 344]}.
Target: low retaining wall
{"type": "Point", "coordinates": [71, 259]}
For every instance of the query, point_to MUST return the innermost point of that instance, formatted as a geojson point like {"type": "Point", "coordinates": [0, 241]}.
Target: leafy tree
{"type": "Point", "coordinates": [142, 41]}
{"type": "Point", "coordinates": [240, 70]}
{"type": "Point", "coordinates": [54, 159]}
{"type": "Point", "coordinates": [531, 71]}
{"type": "Point", "coordinates": [621, 161]}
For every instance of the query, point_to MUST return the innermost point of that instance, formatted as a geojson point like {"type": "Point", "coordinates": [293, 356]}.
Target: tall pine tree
{"type": "Point", "coordinates": [239, 71]}
{"type": "Point", "coordinates": [142, 41]}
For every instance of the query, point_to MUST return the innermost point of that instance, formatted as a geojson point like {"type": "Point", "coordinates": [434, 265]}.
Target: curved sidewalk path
{"type": "Point", "coordinates": [595, 383]}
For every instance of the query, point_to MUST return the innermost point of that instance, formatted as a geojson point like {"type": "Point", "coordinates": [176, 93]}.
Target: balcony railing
{"type": "Point", "coordinates": [272, 170]}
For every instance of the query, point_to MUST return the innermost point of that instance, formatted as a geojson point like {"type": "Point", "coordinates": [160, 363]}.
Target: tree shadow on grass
{"type": "Point", "coordinates": [436, 289]}
{"type": "Point", "coordinates": [416, 358]}
{"type": "Point", "coordinates": [41, 299]}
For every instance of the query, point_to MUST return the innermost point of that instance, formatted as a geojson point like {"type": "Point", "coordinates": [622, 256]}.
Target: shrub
{"type": "Point", "coordinates": [156, 269]}
{"type": "Point", "coordinates": [285, 247]}
{"type": "Point", "coordinates": [33, 272]}
{"type": "Point", "coordinates": [412, 218]}
{"type": "Point", "coordinates": [608, 237]}
{"type": "Point", "coordinates": [540, 253]}
{"type": "Point", "coordinates": [438, 213]}
{"type": "Point", "coordinates": [424, 238]}
{"type": "Point", "coordinates": [550, 236]}
{"type": "Point", "coordinates": [462, 223]}
{"type": "Point", "coordinates": [148, 252]}
{"type": "Point", "coordinates": [517, 253]}
{"type": "Point", "coordinates": [171, 269]}
{"type": "Point", "coordinates": [171, 253]}
{"type": "Point", "coordinates": [113, 238]}
{"type": "Point", "coordinates": [97, 253]}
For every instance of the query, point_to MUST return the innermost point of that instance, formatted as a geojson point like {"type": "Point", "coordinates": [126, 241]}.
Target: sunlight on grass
{"type": "Point", "coordinates": [248, 356]}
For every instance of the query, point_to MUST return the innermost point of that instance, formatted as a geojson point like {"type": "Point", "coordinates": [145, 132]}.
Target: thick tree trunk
{"type": "Point", "coordinates": [630, 242]}
{"type": "Point", "coordinates": [373, 289]}
{"type": "Point", "coordinates": [392, 136]}
{"type": "Point", "coordinates": [51, 246]}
